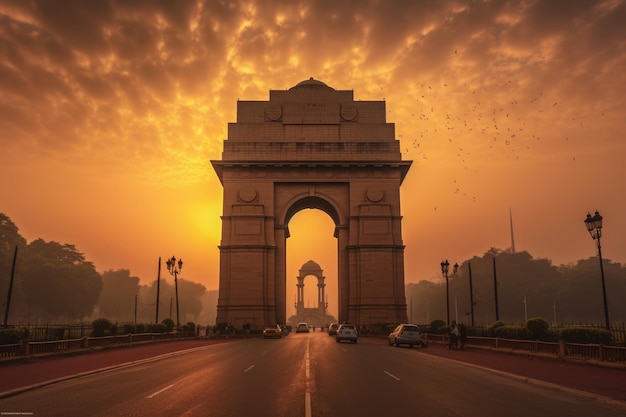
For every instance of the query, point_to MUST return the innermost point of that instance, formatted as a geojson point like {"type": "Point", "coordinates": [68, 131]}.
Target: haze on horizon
{"type": "Point", "coordinates": [110, 112]}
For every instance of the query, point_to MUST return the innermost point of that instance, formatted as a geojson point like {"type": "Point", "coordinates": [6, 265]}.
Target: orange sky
{"type": "Point", "coordinates": [111, 111]}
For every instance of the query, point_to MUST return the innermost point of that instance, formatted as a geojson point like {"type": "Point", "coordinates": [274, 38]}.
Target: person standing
{"type": "Point", "coordinates": [462, 335]}
{"type": "Point", "coordinates": [454, 336]}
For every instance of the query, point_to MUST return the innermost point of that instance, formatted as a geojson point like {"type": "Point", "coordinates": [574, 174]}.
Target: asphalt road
{"type": "Point", "coordinates": [307, 375]}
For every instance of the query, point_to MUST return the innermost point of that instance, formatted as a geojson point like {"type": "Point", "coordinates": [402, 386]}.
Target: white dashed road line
{"type": "Point", "coordinates": [160, 391]}
{"type": "Point", "coordinates": [392, 376]}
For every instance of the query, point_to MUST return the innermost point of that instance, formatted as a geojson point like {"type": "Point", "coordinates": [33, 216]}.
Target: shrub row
{"type": "Point", "coordinates": [12, 335]}
{"type": "Point", "coordinates": [104, 327]}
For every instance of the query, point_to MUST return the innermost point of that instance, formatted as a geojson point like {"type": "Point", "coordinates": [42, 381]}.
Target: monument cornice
{"type": "Point", "coordinates": [315, 169]}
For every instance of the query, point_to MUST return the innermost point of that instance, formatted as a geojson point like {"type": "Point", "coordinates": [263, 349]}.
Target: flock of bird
{"type": "Point", "coordinates": [478, 124]}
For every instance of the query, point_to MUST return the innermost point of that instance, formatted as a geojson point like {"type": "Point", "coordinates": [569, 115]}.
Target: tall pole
{"type": "Point", "coordinates": [471, 293]}
{"type": "Point", "coordinates": [176, 285]}
{"type": "Point", "coordinates": [8, 306]}
{"type": "Point", "coordinates": [445, 265]}
{"type": "Point", "coordinates": [495, 289]}
{"type": "Point", "coordinates": [606, 308]}
{"type": "Point", "coordinates": [156, 319]}
{"type": "Point", "coordinates": [174, 269]}
{"type": "Point", "coordinates": [447, 299]}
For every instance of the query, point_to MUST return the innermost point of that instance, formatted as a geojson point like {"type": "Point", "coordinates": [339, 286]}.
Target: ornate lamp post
{"type": "Point", "coordinates": [594, 227]}
{"type": "Point", "coordinates": [445, 265]}
{"type": "Point", "coordinates": [174, 269]}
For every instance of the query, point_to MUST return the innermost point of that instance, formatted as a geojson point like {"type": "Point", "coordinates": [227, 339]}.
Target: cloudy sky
{"type": "Point", "coordinates": [110, 112]}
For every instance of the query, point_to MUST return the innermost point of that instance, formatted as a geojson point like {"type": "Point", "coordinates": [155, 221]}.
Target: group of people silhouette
{"type": "Point", "coordinates": [458, 336]}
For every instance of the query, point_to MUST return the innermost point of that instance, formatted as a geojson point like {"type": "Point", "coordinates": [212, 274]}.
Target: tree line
{"type": "Point", "coordinates": [54, 282]}
{"type": "Point", "coordinates": [526, 287]}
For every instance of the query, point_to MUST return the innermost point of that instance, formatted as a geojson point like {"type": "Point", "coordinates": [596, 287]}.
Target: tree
{"type": "Point", "coordinates": [580, 293]}
{"type": "Point", "coordinates": [117, 298]}
{"type": "Point", "coordinates": [59, 283]}
{"type": "Point", "coordinates": [190, 296]}
{"type": "Point", "coordinates": [10, 238]}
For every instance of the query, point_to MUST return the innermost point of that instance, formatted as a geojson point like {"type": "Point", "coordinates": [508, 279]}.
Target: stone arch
{"type": "Point", "coordinates": [320, 202]}
{"type": "Point", "coordinates": [311, 268]}
{"type": "Point", "coordinates": [311, 147]}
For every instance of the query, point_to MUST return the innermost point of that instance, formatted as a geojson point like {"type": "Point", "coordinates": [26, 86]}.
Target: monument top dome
{"type": "Point", "coordinates": [311, 265]}
{"type": "Point", "coordinates": [311, 82]}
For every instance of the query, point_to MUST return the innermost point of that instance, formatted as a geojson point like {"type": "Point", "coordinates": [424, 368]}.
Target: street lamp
{"type": "Point", "coordinates": [594, 227]}
{"type": "Point", "coordinates": [174, 269]}
{"type": "Point", "coordinates": [445, 265]}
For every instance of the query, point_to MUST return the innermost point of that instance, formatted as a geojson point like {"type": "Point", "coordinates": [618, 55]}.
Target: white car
{"type": "Point", "coordinates": [302, 328]}
{"type": "Point", "coordinates": [406, 334]}
{"type": "Point", "coordinates": [347, 332]}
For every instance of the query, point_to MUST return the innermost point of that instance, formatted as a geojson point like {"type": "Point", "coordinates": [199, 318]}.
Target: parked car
{"type": "Point", "coordinates": [407, 334]}
{"type": "Point", "coordinates": [346, 332]}
{"type": "Point", "coordinates": [332, 329]}
{"type": "Point", "coordinates": [272, 331]}
{"type": "Point", "coordinates": [302, 328]}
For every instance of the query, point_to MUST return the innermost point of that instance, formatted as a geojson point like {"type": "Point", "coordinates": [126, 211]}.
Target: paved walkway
{"type": "Point", "coordinates": [603, 383]}
{"type": "Point", "coordinates": [598, 381]}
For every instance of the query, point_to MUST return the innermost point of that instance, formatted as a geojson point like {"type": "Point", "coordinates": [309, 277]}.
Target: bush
{"type": "Point", "coordinates": [494, 327]}
{"type": "Point", "coordinates": [538, 327]}
{"type": "Point", "coordinates": [156, 328]}
{"type": "Point", "coordinates": [438, 327]}
{"type": "Point", "coordinates": [189, 327]}
{"type": "Point", "coordinates": [512, 332]}
{"type": "Point", "coordinates": [129, 328]}
{"type": "Point", "coordinates": [168, 323]}
{"type": "Point", "coordinates": [13, 335]}
{"type": "Point", "coordinates": [101, 327]}
{"type": "Point", "coordinates": [587, 335]}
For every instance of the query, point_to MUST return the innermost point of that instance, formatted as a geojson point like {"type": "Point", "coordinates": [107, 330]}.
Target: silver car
{"type": "Point", "coordinates": [406, 334]}
{"type": "Point", "coordinates": [346, 332]}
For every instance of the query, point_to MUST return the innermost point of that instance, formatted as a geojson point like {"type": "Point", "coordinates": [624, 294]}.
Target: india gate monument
{"type": "Point", "coordinates": [311, 147]}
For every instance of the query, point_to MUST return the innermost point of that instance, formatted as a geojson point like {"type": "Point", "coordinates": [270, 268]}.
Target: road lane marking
{"type": "Point", "coordinates": [307, 393]}
{"type": "Point", "coordinates": [306, 361]}
{"type": "Point", "coordinates": [307, 405]}
{"type": "Point", "coordinates": [160, 391]}
{"type": "Point", "coordinates": [392, 376]}
{"type": "Point", "coordinates": [249, 367]}
{"type": "Point", "coordinates": [263, 353]}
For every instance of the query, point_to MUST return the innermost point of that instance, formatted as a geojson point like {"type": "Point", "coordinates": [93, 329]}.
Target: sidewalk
{"type": "Point", "coordinates": [600, 381]}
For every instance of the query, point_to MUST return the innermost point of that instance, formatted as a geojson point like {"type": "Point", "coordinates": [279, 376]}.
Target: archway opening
{"type": "Point", "coordinates": [311, 238]}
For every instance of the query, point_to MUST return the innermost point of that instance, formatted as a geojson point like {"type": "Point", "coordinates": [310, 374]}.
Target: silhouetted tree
{"type": "Point", "coordinates": [147, 301]}
{"type": "Point", "coordinates": [9, 239]}
{"type": "Point", "coordinates": [580, 293]}
{"type": "Point", "coordinates": [575, 290]}
{"type": "Point", "coordinates": [190, 296]}
{"type": "Point", "coordinates": [59, 283]}
{"type": "Point", "coordinates": [117, 298]}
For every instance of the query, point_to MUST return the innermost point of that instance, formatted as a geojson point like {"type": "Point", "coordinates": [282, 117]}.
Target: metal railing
{"type": "Point", "coordinates": [29, 348]}
{"type": "Point", "coordinates": [561, 349]}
